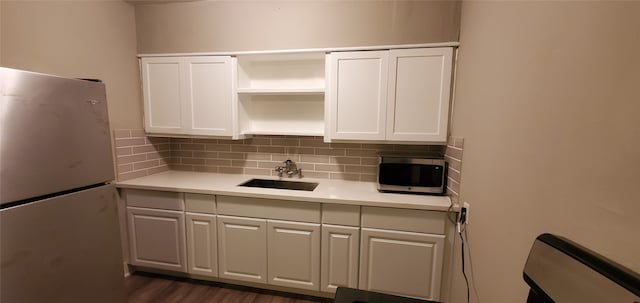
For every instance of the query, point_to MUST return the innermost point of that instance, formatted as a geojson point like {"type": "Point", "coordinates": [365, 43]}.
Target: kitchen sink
{"type": "Point", "coordinates": [278, 184]}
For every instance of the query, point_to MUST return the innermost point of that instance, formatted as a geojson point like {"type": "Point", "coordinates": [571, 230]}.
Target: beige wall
{"type": "Point", "coordinates": [547, 98]}
{"type": "Point", "coordinates": [548, 102]}
{"type": "Point", "coordinates": [83, 39]}
{"type": "Point", "coordinates": [206, 26]}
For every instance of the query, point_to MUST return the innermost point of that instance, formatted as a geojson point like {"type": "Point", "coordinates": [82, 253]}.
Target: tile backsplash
{"type": "Point", "coordinates": [138, 155]}
{"type": "Point", "coordinates": [453, 155]}
{"type": "Point", "coordinates": [261, 154]}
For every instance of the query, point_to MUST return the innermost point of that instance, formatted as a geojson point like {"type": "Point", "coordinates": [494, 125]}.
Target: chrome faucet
{"type": "Point", "coordinates": [290, 168]}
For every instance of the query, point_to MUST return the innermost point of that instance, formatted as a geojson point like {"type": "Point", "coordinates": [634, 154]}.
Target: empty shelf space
{"type": "Point", "coordinates": [281, 114]}
{"type": "Point", "coordinates": [281, 91]}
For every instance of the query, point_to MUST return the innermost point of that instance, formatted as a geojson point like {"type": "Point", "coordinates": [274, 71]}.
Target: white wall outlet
{"type": "Point", "coordinates": [466, 206]}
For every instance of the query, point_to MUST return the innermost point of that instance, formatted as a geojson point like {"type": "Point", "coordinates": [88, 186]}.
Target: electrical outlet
{"type": "Point", "coordinates": [463, 217]}
{"type": "Point", "coordinates": [466, 206]}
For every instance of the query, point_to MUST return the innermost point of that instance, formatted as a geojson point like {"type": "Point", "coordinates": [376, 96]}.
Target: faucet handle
{"type": "Point", "coordinates": [290, 165]}
{"type": "Point", "coordinates": [290, 168]}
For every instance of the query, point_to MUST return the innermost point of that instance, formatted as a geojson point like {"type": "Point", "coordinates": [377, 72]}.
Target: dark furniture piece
{"type": "Point", "coordinates": [561, 271]}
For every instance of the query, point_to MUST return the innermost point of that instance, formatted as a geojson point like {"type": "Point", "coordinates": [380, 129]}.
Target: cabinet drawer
{"type": "Point", "coordinates": [423, 221]}
{"type": "Point", "coordinates": [199, 203]}
{"type": "Point", "coordinates": [154, 199]}
{"type": "Point", "coordinates": [269, 209]}
{"type": "Point", "coordinates": [341, 214]}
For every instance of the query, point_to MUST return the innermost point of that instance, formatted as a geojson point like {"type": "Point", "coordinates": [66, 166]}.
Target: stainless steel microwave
{"type": "Point", "coordinates": [412, 174]}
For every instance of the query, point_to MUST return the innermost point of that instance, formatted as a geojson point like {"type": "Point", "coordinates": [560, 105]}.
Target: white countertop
{"type": "Point", "coordinates": [328, 191]}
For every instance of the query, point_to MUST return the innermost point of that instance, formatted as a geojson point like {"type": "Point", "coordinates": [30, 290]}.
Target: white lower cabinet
{"type": "Point", "coordinates": [340, 249]}
{"type": "Point", "coordinates": [202, 247]}
{"type": "Point", "coordinates": [242, 248]}
{"type": "Point", "coordinates": [157, 238]}
{"type": "Point", "coordinates": [294, 254]}
{"type": "Point", "coordinates": [269, 251]}
{"type": "Point", "coordinates": [401, 263]}
{"type": "Point", "coordinates": [295, 244]}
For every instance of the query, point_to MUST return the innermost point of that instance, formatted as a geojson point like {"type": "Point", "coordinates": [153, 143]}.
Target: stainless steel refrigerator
{"type": "Point", "coordinates": [59, 232]}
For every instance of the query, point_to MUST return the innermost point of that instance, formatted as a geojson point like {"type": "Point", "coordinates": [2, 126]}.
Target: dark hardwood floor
{"type": "Point", "coordinates": [143, 288]}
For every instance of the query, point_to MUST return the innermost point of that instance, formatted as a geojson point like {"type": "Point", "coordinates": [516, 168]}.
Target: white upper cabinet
{"type": "Point", "coordinates": [358, 93]}
{"type": "Point", "coordinates": [396, 95]}
{"type": "Point", "coordinates": [399, 95]}
{"type": "Point", "coordinates": [418, 99]}
{"type": "Point", "coordinates": [188, 95]}
{"type": "Point", "coordinates": [163, 104]}
{"type": "Point", "coordinates": [210, 98]}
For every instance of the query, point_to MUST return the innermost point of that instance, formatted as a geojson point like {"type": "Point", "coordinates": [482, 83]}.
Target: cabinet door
{"type": "Point", "coordinates": [202, 247]}
{"type": "Point", "coordinates": [418, 100]}
{"type": "Point", "coordinates": [242, 249]}
{"type": "Point", "coordinates": [157, 238]}
{"type": "Point", "coordinates": [294, 254]}
{"type": "Point", "coordinates": [402, 263]}
{"type": "Point", "coordinates": [358, 95]}
{"type": "Point", "coordinates": [340, 249]}
{"type": "Point", "coordinates": [209, 95]}
{"type": "Point", "coordinates": [162, 88]}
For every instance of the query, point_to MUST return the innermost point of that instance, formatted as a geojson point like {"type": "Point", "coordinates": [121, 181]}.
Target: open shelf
{"type": "Point", "coordinates": [281, 91]}
{"type": "Point", "coordinates": [300, 115]}
{"type": "Point", "coordinates": [285, 73]}
{"type": "Point", "coordinates": [281, 94]}
{"type": "Point", "coordinates": [283, 133]}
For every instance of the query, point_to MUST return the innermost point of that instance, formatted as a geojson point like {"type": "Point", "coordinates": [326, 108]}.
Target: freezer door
{"type": "Point", "coordinates": [63, 249]}
{"type": "Point", "coordinates": [54, 135]}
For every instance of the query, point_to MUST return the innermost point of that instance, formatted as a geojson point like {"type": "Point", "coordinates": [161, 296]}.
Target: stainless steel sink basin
{"type": "Point", "coordinates": [292, 185]}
